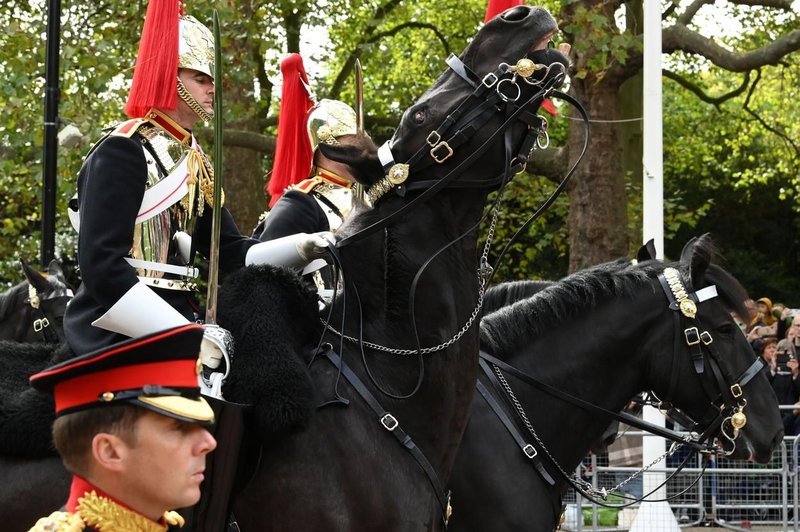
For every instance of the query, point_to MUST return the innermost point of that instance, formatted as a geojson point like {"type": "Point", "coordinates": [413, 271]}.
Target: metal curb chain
{"type": "Point", "coordinates": [584, 485]}
{"type": "Point", "coordinates": [484, 272]}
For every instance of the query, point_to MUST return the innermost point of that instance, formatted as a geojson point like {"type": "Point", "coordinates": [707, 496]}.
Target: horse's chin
{"type": "Point", "coordinates": [745, 450]}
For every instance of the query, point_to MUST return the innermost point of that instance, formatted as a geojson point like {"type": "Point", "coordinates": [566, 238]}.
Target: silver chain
{"type": "Point", "coordinates": [575, 479]}
{"type": "Point", "coordinates": [484, 273]}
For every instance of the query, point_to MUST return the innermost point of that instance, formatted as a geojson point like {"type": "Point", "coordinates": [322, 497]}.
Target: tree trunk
{"type": "Point", "coordinates": [597, 218]}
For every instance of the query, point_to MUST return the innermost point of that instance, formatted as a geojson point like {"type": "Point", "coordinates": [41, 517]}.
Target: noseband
{"type": "Point", "coordinates": [491, 94]}
{"type": "Point", "coordinates": [727, 403]}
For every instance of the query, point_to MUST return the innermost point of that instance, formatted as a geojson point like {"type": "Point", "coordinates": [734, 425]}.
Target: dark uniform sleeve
{"type": "Point", "coordinates": [110, 190]}
{"type": "Point", "coordinates": [233, 245]}
{"type": "Point", "coordinates": [295, 212]}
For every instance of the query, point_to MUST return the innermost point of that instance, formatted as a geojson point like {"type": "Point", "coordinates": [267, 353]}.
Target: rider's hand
{"type": "Point", "coordinates": [217, 345]}
{"type": "Point", "coordinates": [315, 245]}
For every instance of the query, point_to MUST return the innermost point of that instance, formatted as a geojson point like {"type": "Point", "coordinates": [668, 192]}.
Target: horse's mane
{"type": "Point", "coordinates": [507, 329]}
{"type": "Point", "coordinates": [504, 294]}
{"type": "Point", "coordinates": [10, 299]}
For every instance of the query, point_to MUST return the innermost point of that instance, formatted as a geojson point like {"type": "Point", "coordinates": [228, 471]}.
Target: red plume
{"type": "Point", "coordinates": [293, 148]}
{"type": "Point", "coordinates": [154, 78]}
{"type": "Point", "coordinates": [496, 7]}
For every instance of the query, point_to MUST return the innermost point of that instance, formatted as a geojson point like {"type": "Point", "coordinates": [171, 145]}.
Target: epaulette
{"type": "Point", "coordinates": [59, 522]}
{"type": "Point", "coordinates": [127, 128]}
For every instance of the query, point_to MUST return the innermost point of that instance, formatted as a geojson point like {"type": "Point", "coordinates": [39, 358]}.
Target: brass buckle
{"type": "Point", "coordinates": [706, 337]}
{"type": "Point", "coordinates": [692, 336]}
{"type": "Point", "coordinates": [38, 325]}
{"type": "Point", "coordinates": [433, 138]}
{"type": "Point", "coordinates": [736, 391]}
{"type": "Point", "coordinates": [443, 156]}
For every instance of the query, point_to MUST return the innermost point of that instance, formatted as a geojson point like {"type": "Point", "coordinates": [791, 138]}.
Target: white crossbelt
{"type": "Point", "coordinates": [186, 271]}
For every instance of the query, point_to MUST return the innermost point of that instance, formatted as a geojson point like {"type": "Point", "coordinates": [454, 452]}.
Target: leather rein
{"type": "Point", "coordinates": [726, 406]}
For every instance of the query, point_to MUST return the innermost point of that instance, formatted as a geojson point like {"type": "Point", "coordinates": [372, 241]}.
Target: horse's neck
{"type": "Point", "coordinates": [397, 254]}
{"type": "Point", "coordinates": [596, 367]}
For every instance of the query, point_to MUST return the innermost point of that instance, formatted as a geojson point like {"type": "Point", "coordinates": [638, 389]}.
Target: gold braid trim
{"type": "Point", "coordinates": [104, 515]}
{"type": "Point", "coordinates": [201, 169]}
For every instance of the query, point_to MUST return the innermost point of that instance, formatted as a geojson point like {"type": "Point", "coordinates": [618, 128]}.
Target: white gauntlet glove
{"type": "Point", "coordinates": [293, 251]}
{"type": "Point", "coordinates": [217, 345]}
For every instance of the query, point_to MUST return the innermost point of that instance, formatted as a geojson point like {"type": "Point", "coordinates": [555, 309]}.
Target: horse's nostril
{"type": "Point", "coordinates": [515, 14]}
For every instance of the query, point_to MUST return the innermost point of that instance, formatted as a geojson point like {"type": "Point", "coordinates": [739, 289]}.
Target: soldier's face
{"type": "Point", "coordinates": [201, 87]}
{"type": "Point", "coordinates": [165, 465]}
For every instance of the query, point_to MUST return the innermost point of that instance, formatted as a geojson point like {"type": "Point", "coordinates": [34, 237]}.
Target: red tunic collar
{"type": "Point", "coordinates": [169, 125]}
{"type": "Point", "coordinates": [332, 178]}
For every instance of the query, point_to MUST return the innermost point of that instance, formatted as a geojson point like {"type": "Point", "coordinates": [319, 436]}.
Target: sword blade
{"type": "Point", "coordinates": [358, 190]}
{"type": "Point", "coordinates": [213, 258]}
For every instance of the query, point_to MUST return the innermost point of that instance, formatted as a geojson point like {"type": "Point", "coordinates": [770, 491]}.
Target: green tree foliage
{"type": "Point", "coordinates": [716, 151]}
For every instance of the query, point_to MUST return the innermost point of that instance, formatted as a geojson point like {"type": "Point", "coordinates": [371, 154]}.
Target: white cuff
{"type": "Point", "coordinates": [140, 312]}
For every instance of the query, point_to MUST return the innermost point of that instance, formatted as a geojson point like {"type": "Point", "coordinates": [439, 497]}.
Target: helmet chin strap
{"type": "Point", "coordinates": [193, 104]}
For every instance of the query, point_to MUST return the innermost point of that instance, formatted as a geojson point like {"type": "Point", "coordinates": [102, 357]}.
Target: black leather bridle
{"type": "Point", "coordinates": [724, 404]}
{"type": "Point", "coordinates": [459, 126]}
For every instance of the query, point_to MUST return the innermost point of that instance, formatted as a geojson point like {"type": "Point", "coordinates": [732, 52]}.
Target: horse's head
{"type": "Point", "coordinates": [481, 110]}
{"type": "Point", "coordinates": [715, 378]}
{"type": "Point", "coordinates": [48, 296]}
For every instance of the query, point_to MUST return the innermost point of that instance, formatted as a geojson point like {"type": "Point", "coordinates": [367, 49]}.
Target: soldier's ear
{"type": "Point", "coordinates": [108, 452]}
{"type": "Point", "coordinates": [362, 160]}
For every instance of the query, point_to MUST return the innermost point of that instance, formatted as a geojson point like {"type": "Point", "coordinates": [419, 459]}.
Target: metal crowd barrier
{"type": "Point", "coordinates": [731, 494]}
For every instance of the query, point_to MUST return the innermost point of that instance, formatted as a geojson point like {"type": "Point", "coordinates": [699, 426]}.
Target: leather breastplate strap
{"type": "Point", "coordinates": [390, 423]}
{"type": "Point", "coordinates": [527, 448]}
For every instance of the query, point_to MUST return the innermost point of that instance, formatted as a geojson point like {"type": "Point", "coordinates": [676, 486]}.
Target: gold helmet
{"type": "Point", "coordinates": [195, 46]}
{"type": "Point", "coordinates": [329, 120]}
{"type": "Point", "coordinates": [170, 40]}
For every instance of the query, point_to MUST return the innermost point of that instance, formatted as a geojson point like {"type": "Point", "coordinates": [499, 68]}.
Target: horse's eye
{"type": "Point", "coordinates": [419, 116]}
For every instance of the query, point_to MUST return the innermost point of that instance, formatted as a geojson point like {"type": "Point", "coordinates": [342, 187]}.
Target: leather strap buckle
{"type": "Point", "coordinates": [489, 80]}
{"type": "Point", "coordinates": [706, 337]}
{"type": "Point", "coordinates": [692, 336]}
{"type": "Point", "coordinates": [438, 156]}
{"type": "Point", "coordinates": [389, 422]}
{"type": "Point", "coordinates": [530, 451]}
{"type": "Point", "coordinates": [39, 325]}
{"type": "Point", "coordinates": [736, 391]}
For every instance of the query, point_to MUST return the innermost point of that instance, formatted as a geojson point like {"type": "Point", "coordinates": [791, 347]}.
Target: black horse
{"type": "Point", "coordinates": [33, 310]}
{"type": "Point", "coordinates": [406, 318]}
{"type": "Point", "coordinates": [411, 283]}
{"type": "Point", "coordinates": [602, 335]}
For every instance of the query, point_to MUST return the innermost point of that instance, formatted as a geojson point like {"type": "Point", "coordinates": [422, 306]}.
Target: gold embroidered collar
{"type": "Point", "coordinates": [104, 515]}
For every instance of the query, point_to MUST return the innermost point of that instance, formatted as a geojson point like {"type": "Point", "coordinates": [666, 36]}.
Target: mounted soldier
{"type": "Point", "coordinates": [310, 192]}
{"type": "Point", "coordinates": [145, 197]}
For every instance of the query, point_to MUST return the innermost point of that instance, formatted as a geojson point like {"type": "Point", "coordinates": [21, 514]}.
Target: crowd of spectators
{"type": "Point", "coordinates": [774, 334]}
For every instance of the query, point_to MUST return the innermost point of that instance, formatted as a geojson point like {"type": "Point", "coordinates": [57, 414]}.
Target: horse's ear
{"type": "Point", "coordinates": [54, 270]}
{"type": "Point", "coordinates": [363, 160]}
{"type": "Point", "coordinates": [647, 251]}
{"type": "Point", "coordinates": [697, 254]}
{"type": "Point", "coordinates": [36, 279]}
